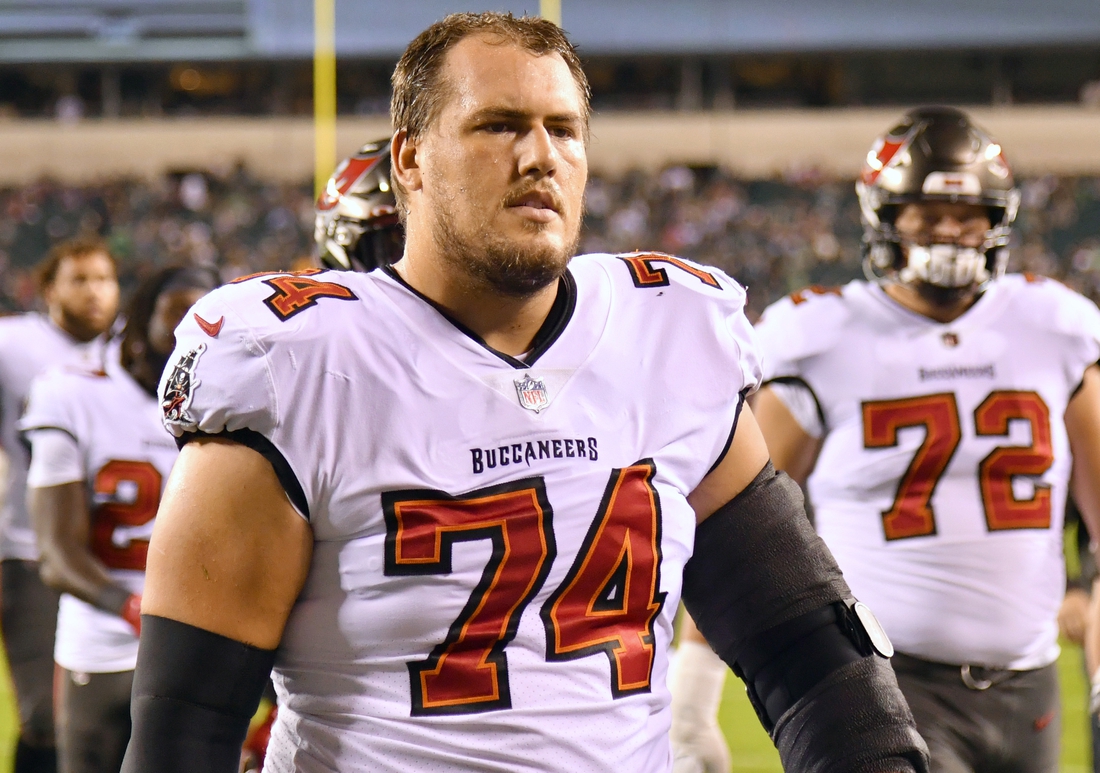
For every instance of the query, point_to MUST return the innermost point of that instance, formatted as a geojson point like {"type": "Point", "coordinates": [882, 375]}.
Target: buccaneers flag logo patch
{"type": "Point", "coordinates": [179, 389]}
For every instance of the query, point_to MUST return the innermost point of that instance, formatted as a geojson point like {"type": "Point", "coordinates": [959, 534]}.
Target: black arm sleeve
{"type": "Point", "coordinates": [766, 593]}
{"type": "Point", "coordinates": [194, 694]}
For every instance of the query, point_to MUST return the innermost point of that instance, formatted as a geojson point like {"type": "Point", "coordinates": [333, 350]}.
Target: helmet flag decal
{"type": "Point", "coordinates": [884, 151]}
{"type": "Point", "coordinates": [351, 171]}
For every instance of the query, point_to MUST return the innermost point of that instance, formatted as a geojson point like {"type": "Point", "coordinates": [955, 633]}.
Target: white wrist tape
{"type": "Point", "coordinates": [696, 680]}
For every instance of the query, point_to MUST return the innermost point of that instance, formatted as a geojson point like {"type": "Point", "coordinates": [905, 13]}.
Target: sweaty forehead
{"type": "Point", "coordinates": [483, 72]}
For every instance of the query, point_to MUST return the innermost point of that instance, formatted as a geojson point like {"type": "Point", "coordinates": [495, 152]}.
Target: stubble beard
{"type": "Point", "coordinates": [81, 325]}
{"type": "Point", "coordinates": [945, 297]}
{"type": "Point", "coordinates": [512, 269]}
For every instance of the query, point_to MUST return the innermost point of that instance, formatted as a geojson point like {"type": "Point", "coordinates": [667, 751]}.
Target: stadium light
{"type": "Point", "coordinates": [324, 92]}
{"type": "Point", "coordinates": [550, 10]}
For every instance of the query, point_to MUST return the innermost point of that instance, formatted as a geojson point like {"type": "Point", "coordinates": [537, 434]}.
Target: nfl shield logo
{"type": "Point", "coordinates": [532, 393]}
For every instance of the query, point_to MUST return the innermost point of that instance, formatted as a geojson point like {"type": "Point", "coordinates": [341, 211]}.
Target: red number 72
{"type": "Point", "coordinates": [911, 514]}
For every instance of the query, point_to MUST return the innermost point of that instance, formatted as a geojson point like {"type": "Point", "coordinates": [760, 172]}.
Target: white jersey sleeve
{"type": "Point", "coordinates": [55, 459]}
{"type": "Point", "coordinates": [696, 285]}
{"type": "Point", "coordinates": [800, 326]}
{"type": "Point", "coordinates": [706, 299]}
{"type": "Point", "coordinates": [236, 372]}
{"type": "Point", "coordinates": [52, 423]}
{"type": "Point", "coordinates": [792, 332]}
{"type": "Point", "coordinates": [50, 405]}
{"type": "Point", "coordinates": [231, 365]}
{"type": "Point", "coordinates": [1071, 318]}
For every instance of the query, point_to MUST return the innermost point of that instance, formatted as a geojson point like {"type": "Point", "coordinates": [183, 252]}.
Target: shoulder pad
{"type": "Point", "coordinates": [55, 399]}
{"type": "Point", "coordinates": [656, 269]}
{"type": "Point", "coordinates": [800, 325]}
{"type": "Point", "coordinates": [1050, 305]}
{"type": "Point", "coordinates": [268, 299]}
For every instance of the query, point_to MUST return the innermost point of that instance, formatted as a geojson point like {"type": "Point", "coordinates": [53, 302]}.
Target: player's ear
{"type": "Point", "coordinates": [403, 157]}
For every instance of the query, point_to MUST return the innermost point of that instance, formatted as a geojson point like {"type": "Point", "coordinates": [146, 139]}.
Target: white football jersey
{"type": "Point", "coordinates": [29, 344]}
{"type": "Point", "coordinates": [126, 456]}
{"type": "Point", "coordinates": [499, 544]}
{"type": "Point", "coordinates": [941, 483]}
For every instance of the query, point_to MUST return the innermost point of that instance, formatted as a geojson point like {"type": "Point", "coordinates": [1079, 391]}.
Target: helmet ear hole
{"type": "Point", "coordinates": [888, 213]}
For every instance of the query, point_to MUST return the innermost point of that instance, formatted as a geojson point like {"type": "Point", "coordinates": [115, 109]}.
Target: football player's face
{"type": "Point", "coordinates": [943, 222]}
{"type": "Point", "coordinates": [83, 298]}
{"type": "Point", "coordinates": [170, 308]}
{"type": "Point", "coordinates": [504, 165]}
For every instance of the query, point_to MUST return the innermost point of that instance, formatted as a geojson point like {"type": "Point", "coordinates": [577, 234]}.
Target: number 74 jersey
{"type": "Point", "coordinates": [941, 482]}
{"type": "Point", "coordinates": [498, 544]}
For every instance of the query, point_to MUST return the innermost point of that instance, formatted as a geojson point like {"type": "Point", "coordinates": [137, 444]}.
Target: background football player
{"type": "Point", "coordinates": [357, 226]}
{"type": "Point", "coordinates": [79, 288]}
{"type": "Point", "coordinates": [938, 413]}
{"type": "Point", "coordinates": [100, 458]}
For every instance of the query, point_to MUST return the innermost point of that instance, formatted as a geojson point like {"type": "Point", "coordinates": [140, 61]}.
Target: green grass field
{"type": "Point", "coordinates": [752, 750]}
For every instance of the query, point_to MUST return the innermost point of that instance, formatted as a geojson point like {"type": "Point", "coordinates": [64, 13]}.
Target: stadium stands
{"type": "Point", "coordinates": [774, 235]}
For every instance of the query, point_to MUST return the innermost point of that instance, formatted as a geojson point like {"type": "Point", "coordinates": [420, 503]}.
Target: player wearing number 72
{"type": "Point", "coordinates": [943, 412]}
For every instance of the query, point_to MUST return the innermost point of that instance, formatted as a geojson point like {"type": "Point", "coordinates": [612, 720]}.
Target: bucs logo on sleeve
{"type": "Point", "coordinates": [179, 389]}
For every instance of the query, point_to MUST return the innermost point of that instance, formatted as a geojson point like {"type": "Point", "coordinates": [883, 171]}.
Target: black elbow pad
{"type": "Point", "coordinates": [769, 598]}
{"type": "Point", "coordinates": [757, 564]}
{"type": "Point", "coordinates": [194, 694]}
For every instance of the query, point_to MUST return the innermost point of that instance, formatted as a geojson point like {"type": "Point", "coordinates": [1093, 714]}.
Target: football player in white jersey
{"type": "Point", "coordinates": [460, 494]}
{"type": "Point", "coordinates": [80, 290]}
{"type": "Point", "coordinates": [940, 414]}
{"type": "Point", "coordinates": [99, 459]}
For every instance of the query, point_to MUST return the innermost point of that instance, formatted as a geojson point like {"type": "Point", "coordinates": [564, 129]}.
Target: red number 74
{"type": "Point", "coordinates": [606, 604]}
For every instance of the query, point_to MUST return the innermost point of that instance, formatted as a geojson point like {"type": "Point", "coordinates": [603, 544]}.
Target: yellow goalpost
{"type": "Point", "coordinates": [324, 92]}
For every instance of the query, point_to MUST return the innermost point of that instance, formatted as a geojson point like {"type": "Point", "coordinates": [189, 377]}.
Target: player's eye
{"type": "Point", "coordinates": [562, 132]}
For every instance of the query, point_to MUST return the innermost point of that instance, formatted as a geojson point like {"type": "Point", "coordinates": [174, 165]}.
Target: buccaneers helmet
{"type": "Point", "coordinates": [935, 154]}
{"type": "Point", "coordinates": [357, 226]}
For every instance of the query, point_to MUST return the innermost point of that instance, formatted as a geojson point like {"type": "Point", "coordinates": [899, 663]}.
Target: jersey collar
{"type": "Point", "coordinates": [565, 303]}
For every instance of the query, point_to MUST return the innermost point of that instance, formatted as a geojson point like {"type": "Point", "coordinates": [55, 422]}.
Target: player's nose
{"type": "Point", "coordinates": [536, 153]}
{"type": "Point", "coordinates": [948, 227]}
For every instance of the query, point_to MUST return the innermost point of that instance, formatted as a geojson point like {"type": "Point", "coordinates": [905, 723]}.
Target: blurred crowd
{"type": "Point", "coordinates": [774, 236]}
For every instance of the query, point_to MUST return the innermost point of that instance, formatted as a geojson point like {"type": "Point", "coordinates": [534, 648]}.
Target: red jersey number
{"type": "Point", "coordinates": [609, 599]}
{"type": "Point", "coordinates": [911, 513]}
{"type": "Point", "coordinates": [130, 495]}
{"type": "Point", "coordinates": [1002, 509]}
{"type": "Point", "coordinates": [606, 604]}
{"type": "Point", "coordinates": [468, 671]}
{"type": "Point", "coordinates": [644, 271]}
